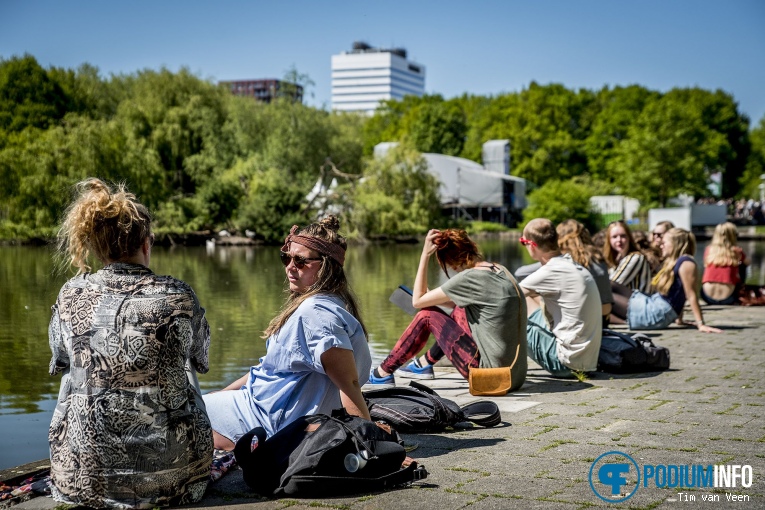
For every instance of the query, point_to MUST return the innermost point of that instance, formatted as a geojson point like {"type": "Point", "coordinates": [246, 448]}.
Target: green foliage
{"type": "Point", "coordinates": [396, 197]}
{"type": "Point", "coordinates": [28, 96]}
{"type": "Point", "coordinates": [479, 227]}
{"type": "Point", "coordinates": [561, 200]}
{"type": "Point", "coordinates": [272, 205]}
{"type": "Point", "coordinates": [669, 150]}
{"type": "Point", "coordinates": [755, 167]}
{"type": "Point", "coordinates": [201, 158]}
{"type": "Point", "coordinates": [438, 128]}
{"type": "Point", "coordinates": [618, 109]}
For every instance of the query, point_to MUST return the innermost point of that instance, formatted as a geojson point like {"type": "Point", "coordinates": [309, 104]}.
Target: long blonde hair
{"type": "Point", "coordinates": [103, 221]}
{"type": "Point", "coordinates": [329, 280]}
{"type": "Point", "coordinates": [574, 239]}
{"type": "Point", "coordinates": [683, 243]}
{"type": "Point", "coordinates": [721, 250]}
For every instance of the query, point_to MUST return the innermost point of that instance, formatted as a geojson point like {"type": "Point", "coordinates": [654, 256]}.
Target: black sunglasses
{"type": "Point", "coordinates": [299, 261]}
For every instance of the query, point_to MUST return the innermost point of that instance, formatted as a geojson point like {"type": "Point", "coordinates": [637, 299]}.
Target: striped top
{"type": "Point", "coordinates": [633, 271]}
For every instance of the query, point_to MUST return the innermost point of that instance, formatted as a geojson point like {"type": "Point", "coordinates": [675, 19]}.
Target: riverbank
{"type": "Point", "coordinates": [707, 409]}
{"type": "Point", "coordinates": [210, 238]}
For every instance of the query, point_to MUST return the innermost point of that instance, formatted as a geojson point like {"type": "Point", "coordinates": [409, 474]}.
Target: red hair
{"type": "Point", "coordinates": [455, 249]}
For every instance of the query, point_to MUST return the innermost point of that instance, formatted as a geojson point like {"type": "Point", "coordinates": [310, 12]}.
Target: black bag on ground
{"type": "Point", "coordinates": [417, 408]}
{"type": "Point", "coordinates": [621, 353]}
{"type": "Point", "coordinates": [339, 455]}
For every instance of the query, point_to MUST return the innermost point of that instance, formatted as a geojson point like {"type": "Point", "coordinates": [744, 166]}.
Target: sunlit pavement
{"type": "Point", "coordinates": [707, 409]}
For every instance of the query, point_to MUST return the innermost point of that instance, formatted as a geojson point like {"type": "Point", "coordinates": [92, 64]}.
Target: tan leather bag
{"type": "Point", "coordinates": [495, 382]}
{"type": "Point", "coordinates": [492, 382]}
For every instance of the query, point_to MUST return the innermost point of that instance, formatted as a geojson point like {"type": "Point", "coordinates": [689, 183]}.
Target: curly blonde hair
{"type": "Point", "coordinates": [574, 239]}
{"type": "Point", "coordinates": [105, 222]}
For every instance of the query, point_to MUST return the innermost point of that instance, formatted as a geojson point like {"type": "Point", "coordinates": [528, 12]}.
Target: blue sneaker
{"type": "Point", "coordinates": [376, 383]}
{"type": "Point", "coordinates": [412, 371]}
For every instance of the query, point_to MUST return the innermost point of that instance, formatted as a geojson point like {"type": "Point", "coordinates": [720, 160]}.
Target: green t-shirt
{"type": "Point", "coordinates": [497, 317]}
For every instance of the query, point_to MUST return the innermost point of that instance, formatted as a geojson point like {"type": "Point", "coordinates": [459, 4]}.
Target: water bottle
{"type": "Point", "coordinates": [355, 461]}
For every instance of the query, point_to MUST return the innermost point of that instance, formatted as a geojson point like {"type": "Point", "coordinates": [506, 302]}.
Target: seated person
{"type": "Point", "coordinates": [675, 282]}
{"type": "Point", "coordinates": [574, 239]}
{"type": "Point", "coordinates": [627, 265]}
{"type": "Point", "coordinates": [724, 267]}
{"type": "Point", "coordinates": [129, 429]}
{"type": "Point", "coordinates": [486, 328]}
{"type": "Point", "coordinates": [658, 233]}
{"type": "Point", "coordinates": [565, 325]}
{"type": "Point", "coordinates": [317, 357]}
{"type": "Point", "coordinates": [652, 253]}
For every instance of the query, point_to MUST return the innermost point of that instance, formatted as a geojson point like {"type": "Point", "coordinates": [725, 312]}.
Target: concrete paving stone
{"type": "Point", "coordinates": [707, 409]}
{"type": "Point", "coordinates": [416, 497]}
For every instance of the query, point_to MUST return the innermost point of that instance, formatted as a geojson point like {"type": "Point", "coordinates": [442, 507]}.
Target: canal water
{"type": "Point", "coordinates": [241, 288]}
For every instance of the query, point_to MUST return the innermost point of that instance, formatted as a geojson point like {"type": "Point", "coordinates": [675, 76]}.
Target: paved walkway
{"type": "Point", "coordinates": [708, 409]}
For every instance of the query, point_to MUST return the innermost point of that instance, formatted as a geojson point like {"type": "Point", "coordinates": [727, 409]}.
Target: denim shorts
{"type": "Point", "coordinates": [649, 312]}
{"type": "Point", "coordinates": [543, 346]}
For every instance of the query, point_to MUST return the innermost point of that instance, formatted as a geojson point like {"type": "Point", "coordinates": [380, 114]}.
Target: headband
{"type": "Point", "coordinates": [315, 243]}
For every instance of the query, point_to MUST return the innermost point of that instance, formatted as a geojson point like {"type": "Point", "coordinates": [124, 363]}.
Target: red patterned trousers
{"type": "Point", "coordinates": [453, 340]}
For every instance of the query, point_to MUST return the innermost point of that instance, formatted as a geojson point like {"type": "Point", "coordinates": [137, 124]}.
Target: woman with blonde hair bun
{"type": "Point", "coordinates": [724, 263]}
{"type": "Point", "coordinates": [128, 344]}
{"type": "Point", "coordinates": [317, 357]}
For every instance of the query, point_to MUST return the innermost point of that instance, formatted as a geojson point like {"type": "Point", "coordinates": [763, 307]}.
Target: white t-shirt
{"type": "Point", "coordinates": [572, 310]}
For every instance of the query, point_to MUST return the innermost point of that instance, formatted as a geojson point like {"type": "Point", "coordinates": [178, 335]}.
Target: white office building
{"type": "Point", "coordinates": [364, 76]}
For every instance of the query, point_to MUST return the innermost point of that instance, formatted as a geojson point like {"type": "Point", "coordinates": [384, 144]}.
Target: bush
{"type": "Point", "coordinates": [561, 200]}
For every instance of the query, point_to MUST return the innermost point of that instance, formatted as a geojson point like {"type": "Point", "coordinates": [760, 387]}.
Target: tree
{"type": "Point", "coordinates": [669, 150]}
{"type": "Point", "coordinates": [397, 196]}
{"type": "Point", "coordinates": [28, 96]}
{"type": "Point", "coordinates": [618, 110]}
{"type": "Point", "coordinates": [436, 127]}
{"type": "Point", "coordinates": [755, 166]}
{"type": "Point", "coordinates": [719, 113]}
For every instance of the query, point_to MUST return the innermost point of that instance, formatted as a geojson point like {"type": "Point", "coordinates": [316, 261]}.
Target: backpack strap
{"type": "Point", "coordinates": [422, 387]}
{"type": "Point", "coordinates": [489, 410]}
{"type": "Point", "coordinates": [322, 486]}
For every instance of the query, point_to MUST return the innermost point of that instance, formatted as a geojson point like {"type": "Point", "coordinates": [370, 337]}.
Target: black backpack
{"type": "Point", "coordinates": [417, 408]}
{"type": "Point", "coordinates": [621, 353]}
{"type": "Point", "coordinates": [343, 455]}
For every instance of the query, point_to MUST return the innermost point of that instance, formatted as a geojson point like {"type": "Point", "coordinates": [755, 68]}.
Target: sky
{"type": "Point", "coordinates": [481, 47]}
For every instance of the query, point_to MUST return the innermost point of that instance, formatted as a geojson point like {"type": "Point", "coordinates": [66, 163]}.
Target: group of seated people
{"type": "Point", "coordinates": [132, 429]}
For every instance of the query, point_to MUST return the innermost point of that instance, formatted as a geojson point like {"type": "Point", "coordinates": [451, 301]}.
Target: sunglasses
{"type": "Point", "coordinates": [657, 234]}
{"type": "Point", "coordinates": [526, 242]}
{"type": "Point", "coordinates": [299, 261]}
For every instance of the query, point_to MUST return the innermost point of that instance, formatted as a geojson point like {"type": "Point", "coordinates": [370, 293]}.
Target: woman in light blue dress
{"type": "Point", "coordinates": [317, 357]}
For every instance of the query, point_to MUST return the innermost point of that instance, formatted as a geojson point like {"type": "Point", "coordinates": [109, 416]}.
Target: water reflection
{"type": "Point", "coordinates": [241, 289]}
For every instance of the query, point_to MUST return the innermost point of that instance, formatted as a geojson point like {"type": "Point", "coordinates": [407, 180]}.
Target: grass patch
{"type": "Point", "coordinates": [557, 443]}
{"type": "Point", "coordinates": [650, 393]}
{"type": "Point", "coordinates": [730, 409]}
{"type": "Point", "coordinates": [731, 375]}
{"type": "Point", "coordinates": [659, 404]}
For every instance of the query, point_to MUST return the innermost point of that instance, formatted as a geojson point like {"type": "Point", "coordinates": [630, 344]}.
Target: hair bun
{"type": "Point", "coordinates": [330, 223]}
